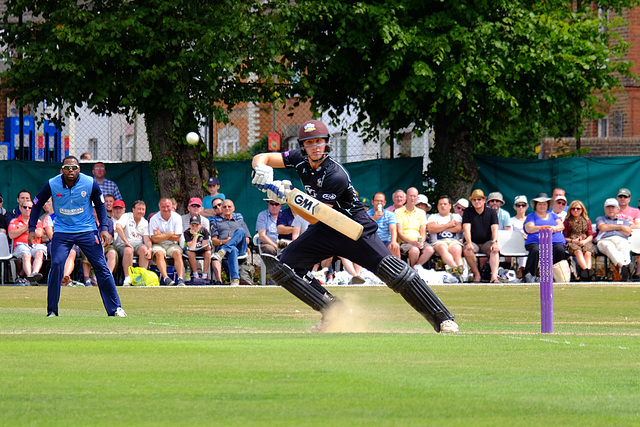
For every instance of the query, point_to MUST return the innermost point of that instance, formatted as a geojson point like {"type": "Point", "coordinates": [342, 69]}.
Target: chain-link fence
{"type": "Point", "coordinates": [113, 139]}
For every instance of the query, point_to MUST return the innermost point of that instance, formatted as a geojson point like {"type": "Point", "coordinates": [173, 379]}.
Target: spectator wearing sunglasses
{"type": "Point", "coordinates": [194, 208]}
{"type": "Point", "coordinates": [630, 214]}
{"type": "Point", "coordinates": [520, 204]}
{"type": "Point", "coordinates": [559, 207]}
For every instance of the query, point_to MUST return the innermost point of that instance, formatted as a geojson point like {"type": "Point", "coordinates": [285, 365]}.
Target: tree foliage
{"type": "Point", "coordinates": [470, 69]}
{"type": "Point", "coordinates": [178, 62]}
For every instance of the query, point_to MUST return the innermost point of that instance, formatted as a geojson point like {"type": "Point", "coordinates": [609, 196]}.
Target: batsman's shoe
{"type": "Point", "coordinates": [449, 327]}
{"type": "Point", "coordinates": [220, 254]}
{"type": "Point", "coordinates": [119, 313]}
{"type": "Point", "coordinates": [168, 282]}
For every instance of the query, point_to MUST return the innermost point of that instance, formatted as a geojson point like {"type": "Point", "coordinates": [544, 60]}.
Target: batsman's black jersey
{"type": "Point", "coordinates": [329, 182]}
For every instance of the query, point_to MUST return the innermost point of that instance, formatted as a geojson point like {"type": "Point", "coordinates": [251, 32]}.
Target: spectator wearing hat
{"type": "Point", "coordinates": [3, 216]}
{"type": "Point", "coordinates": [133, 238]}
{"type": "Point", "coordinates": [520, 204]}
{"type": "Point", "coordinates": [118, 209]}
{"type": "Point", "coordinates": [106, 186]}
{"type": "Point", "coordinates": [559, 206]}
{"type": "Point", "coordinates": [213, 185]}
{"type": "Point", "coordinates": [480, 228]}
{"type": "Point", "coordinates": [613, 238]}
{"type": "Point", "coordinates": [495, 202]}
{"type": "Point", "coordinates": [460, 206]}
{"type": "Point", "coordinates": [197, 242]}
{"type": "Point", "coordinates": [541, 217]}
{"type": "Point", "coordinates": [631, 214]}
{"type": "Point", "coordinates": [194, 208]}
{"type": "Point", "coordinates": [399, 198]}
{"type": "Point", "coordinates": [423, 203]}
{"type": "Point", "coordinates": [412, 230]}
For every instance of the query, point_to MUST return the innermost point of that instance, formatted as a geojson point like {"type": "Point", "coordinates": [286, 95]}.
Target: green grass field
{"type": "Point", "coordinates": [244, 356]}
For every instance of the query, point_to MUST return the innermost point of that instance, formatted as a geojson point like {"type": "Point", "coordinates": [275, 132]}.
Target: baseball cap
{"type": "Point", "coordinates": [195, 219]}
{"type": "Point", "coordinates": [611, 202]}
{"type": "Point", "coordinates": [118, 204]}
{"type": "Point", "coordinates": [213, 181]}
{"type": "Point", "coordinates": [560, 198]}
{"type": "Point", "coordinates": [624, 192]}
{"type": "Point", "coordinates": [195, 201]}
{"type": "Point", "coordinates": [463, 202]}
{"type": "Point", "coordinates": [365, 201]}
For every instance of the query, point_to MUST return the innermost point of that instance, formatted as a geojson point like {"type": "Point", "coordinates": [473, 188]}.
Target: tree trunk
{"type": "Point", "coordinates": [180, 170]}
{"type": "Point", "coordinates": [452, 170]}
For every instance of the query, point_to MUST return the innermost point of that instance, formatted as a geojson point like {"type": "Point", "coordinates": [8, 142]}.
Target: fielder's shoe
{"type": "Point", "coordinates": [180, 282]}
{"type": "Point", "coordinates": [235, 282]}
{"type": "Point", "coordinates": [127, 281]}
{"type": "Point", "coordinates": [52, 314]}
{"type": "Point", "coordinates": [168, 282]}
{"type": "Point", "coordinates": [449, 327]}
{"type": "Point", "coordinates": [220, 254]}
{"type": "Point", "coordinates": [119, 313]}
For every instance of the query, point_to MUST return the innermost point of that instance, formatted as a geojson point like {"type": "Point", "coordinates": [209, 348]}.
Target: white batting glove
{"type": "Point", "coordinates": [278, 191]}
{"type": "Point", "coordinates": [262, 177]}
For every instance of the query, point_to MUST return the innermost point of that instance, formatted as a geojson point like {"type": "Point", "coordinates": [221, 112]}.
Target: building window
{"type": "Point", "coordinates": [92, 148]}
{"type": "Point", "coordinates": [603, 127]}
{"type": "Point", "coordinates": [617, 125]}
{"type": "Point", "coordinates": [228, 140]}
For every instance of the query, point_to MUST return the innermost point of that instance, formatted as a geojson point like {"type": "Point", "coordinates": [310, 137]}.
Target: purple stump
{"type": "Point", "coordinates": [546, 281]}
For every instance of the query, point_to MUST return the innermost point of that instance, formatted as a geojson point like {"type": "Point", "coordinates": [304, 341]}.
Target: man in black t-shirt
{"type": "Point", "coordinates": [480, 228]}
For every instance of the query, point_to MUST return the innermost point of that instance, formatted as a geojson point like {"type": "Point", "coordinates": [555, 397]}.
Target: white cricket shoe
{"type": "Point", "coordinates": [120, 312]}
{"type": "Point", "coordinates": [449, 327]}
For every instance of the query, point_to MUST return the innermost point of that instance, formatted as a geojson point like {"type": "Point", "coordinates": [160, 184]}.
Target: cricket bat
{"type": "Point", "coordinates": [314, 210]}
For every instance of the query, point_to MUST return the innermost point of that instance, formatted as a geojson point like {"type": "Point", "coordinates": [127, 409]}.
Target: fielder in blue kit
{"type": "Point", "coordinates": [327, 181]}
{"type": "Point", "coordinates": [73, 196]}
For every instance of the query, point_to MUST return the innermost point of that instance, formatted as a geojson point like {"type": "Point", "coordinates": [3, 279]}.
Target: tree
{"type": "Point", "coordinates": [178, 62]}
{"type": "Point", "coordinates": [469, 69]}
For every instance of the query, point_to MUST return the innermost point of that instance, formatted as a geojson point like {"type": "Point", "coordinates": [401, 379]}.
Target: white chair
{"type": "Point", "coordinates": [6, 257]}
{"type": "Point", "coordinates": [634, 242]}
{"type": "Point", "coordinates": [511, 243]}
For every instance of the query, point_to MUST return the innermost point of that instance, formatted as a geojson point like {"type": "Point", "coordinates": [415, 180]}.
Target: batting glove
{"type": "Point", "coordinates": [262, 177]}
{"type": "Point", "coordinates": [278, 191]}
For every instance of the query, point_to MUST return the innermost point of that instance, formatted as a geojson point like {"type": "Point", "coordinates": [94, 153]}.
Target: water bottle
{"type": "Point", "coordinates": [187, 274]}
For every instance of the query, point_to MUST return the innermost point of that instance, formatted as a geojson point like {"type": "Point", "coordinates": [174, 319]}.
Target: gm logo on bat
{"type": "Point", "coordinates": [306, 203]}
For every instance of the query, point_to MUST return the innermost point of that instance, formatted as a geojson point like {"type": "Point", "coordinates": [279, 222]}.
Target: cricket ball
{"type": "Point", "coordinates": [193, 138]}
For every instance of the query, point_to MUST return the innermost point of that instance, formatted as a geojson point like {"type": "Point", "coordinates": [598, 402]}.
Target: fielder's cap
{"type": "Point", "coordinates": [624, 192]}
{"type": "Point", "coordinates": [477, 193]}
{"type": "Point", "coordinates": [213, 181]}
{"type": "Point", "coordinates": [560, 198]}
{"type": "Point", "coordinates": [118, 204]}
{"type": "Point", "coordinates": [423, 199]}
{"type": "Point", "coordinates": [520, 199]}
{"type": "Point", "coordinates": [463, 202]}
{"type": "Point", "coordinates": [195, 201]}
{"type": "Point", "coordinates": [611, 202]}
{"type": "Point", "coordinates": [496, 195]}
{"type": "Point", "coordinates": [541, 197]}
{"type": "Point", "coordinates": [195, 219]}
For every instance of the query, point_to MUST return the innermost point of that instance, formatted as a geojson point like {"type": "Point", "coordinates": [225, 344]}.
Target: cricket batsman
{"type": "Point", "coordinates": [327, 181]}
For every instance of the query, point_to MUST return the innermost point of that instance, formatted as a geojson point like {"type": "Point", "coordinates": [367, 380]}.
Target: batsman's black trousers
{"type": "Point", "coordinates": [320, 242]}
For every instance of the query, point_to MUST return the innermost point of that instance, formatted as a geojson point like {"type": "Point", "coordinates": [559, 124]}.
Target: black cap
{"type": "Point", "coordinates": [195, 219]}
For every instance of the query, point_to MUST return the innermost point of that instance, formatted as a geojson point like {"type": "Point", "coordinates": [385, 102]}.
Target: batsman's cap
{"type": "Point", "coordinates": [496, 195]}
{"type": "Point", "coordinates": [195, 201]}
{"type": "Point", "coordinates": [118, 204]}
{"type": "Point", "coordinates": [195, 219]}
{"type": "Point", "coordinates": [313, 129]}
{"type": "Point", "coordinates": [462, 202]}
{"type": "Point", "coordinates": [611, 202]}
{"type": "Point", "coordinates": [624, 192]}
{"type": "Point", "coordinates": [520, 199]}
{"type": "Point", "coordinates": [213, 181]}
{"type": "Point", "coordinates": [477, 193]}
{"type": "Point", "coordinates": [423, 199]}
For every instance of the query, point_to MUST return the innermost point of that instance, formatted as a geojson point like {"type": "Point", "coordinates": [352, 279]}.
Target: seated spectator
{"type": "Point", "coordinates": [423, 203]}
{"type": "Point", "coordinates": [231, 238]}
{"type": "Point", "coordinates": [495, 202]}
{"type": "Point", "coordinates": [285, 228]}
{"type": "Point", "coordinates": [460, 206]}
{"type": "Point", "coordinates": [213, 185]}
{"type": "Point", "coordinates": [631, 214]}
{"type": "Point", "coordinates": [540, 217]}
{"type": "Point", "coordinates": [133, 239]}
{"type": "Point", "coordinates": [48, 220]}
{"type": "Point", "coordinates": [387, 224]}
{"type": "Point", "coordinates": [118, 209]}
{"type": "Point", "coordinates": [613, 238]}
{"type": "Point", "coordinates": [31, 256]}
{"type": "Point", "coordinates": [480, 228]}
{"type": "Point", "coordinates": [267, 227]}
{"type": "Point", "coordinates": [520, 204]}
{"type": "Point", "coordinates": [194, 208]}
{"type": "Point", "coordinates": [3, 216]}
{"type": "Point", "coordinates": [559, 207]}
{"type": "Point", "coordinates": [554, 195]}
{"type": "Point", "coordinates": [412, 231]}
{"type": "Point", "coordinates": [196, 241]}
{"type": "Point", "coordinates": [579, 235]}
{"type": "Point", "coordinates": [110, 254]}
{"type": "Point", "coordinates": [444, 232]}
{"type": "Point", "coordinates": [165, 230]}
{"type": "Point", "coordinates": [399, 198]}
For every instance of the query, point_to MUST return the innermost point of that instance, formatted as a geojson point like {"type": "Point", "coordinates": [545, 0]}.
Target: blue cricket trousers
{"type": "Point", "coordinates": [90, 243]}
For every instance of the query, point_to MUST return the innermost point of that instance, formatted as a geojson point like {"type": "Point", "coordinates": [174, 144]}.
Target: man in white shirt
{"type": "Point", "coordinates": [165, 230]}
{"type": "Point", "coordinates": [133, 238]}
{"type": "Point", "coordinates": [444, 233]}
